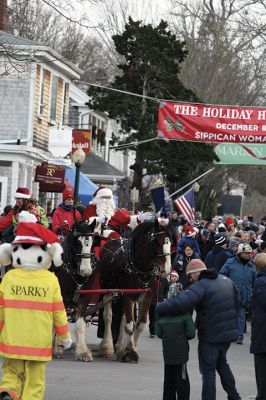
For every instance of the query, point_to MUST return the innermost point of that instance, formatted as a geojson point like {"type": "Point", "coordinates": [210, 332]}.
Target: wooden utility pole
{"type": "Point", "coordinates": [3, 16]}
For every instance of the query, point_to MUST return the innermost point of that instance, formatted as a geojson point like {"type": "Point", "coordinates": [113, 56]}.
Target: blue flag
{"type": "Point", "coordinates": [158, 200]}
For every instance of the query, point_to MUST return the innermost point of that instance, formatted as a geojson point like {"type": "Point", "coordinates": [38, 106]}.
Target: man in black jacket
{"type": "Point", "coordinates": [218, 254]}
{"type": "Point", "coordinates": [215, 298]}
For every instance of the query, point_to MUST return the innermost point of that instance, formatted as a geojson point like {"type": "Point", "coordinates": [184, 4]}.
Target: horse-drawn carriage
{"type": "Point", "coordinates": [130, 266]}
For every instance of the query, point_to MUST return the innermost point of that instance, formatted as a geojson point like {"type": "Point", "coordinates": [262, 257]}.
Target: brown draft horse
{"type": "Point", "coordinates": [134, 263]}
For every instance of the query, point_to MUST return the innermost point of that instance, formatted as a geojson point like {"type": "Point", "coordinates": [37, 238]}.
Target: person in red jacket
{"type": "Point", "coordinates": [65, 214]}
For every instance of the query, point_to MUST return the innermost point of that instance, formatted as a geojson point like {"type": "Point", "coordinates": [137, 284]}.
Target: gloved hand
{"type": "Point", "coordinates": [101, 220]}
{"type": "Point", "coordinates": [145, 216]}
{"type": "Point", "coordinates": [65, 343]}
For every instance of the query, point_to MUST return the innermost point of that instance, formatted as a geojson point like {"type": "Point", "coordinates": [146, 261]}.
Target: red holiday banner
{"type": "Point", "coordinates": [211, 123]}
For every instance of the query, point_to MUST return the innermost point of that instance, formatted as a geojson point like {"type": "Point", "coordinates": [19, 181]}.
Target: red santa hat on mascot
{"type": "Point", "coordinates": [33, 233]}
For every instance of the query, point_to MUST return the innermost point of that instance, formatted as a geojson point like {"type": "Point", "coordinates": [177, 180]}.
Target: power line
{"type": "Point", "coordinates": [119, 90]}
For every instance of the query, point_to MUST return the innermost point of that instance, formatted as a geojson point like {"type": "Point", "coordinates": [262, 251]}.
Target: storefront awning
{"type": "Point", "coordinates": [86, 186]}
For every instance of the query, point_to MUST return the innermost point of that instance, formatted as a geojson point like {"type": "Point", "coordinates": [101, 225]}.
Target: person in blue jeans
{"type": "Point", "coordinates": [215, 298]}
{"type": "Point", "coordinates": [243, 273]}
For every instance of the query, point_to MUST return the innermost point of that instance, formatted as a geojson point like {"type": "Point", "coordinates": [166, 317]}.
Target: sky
{"type": "Point", "coordinates": [113, 13]}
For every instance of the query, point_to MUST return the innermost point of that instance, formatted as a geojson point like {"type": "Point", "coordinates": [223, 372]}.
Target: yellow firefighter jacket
{"type": "Point", "coordinates": [30, 307]}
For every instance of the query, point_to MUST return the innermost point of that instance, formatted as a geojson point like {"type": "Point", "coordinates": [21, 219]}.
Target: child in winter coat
{"type": "Point", "coordinates": [188, 238]}
{"type": "Point", "coordinates": [174, 286]}
{"type": "Point", "coordinates": [175, 331]}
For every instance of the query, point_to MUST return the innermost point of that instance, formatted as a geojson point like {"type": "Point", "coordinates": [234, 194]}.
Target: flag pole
{"type": "Point", "coordinates": [190, 183]}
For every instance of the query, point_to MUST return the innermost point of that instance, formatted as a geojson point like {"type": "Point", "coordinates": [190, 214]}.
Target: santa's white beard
{"type": "Point", "coordinates": [105, 208]}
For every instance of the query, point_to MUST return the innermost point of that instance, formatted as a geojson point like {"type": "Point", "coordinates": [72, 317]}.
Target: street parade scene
{"type": "Point", "coordinates": [132, 199]}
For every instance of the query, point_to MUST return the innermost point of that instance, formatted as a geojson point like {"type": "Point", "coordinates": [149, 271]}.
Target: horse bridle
{"type": "Point", "coordinates": [81, 256]}
{"type": "Point", "coordinates": [152, 240]}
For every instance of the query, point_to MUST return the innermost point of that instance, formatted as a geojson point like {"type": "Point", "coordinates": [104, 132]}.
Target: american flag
{"type": "Point", "coordinates": [186, 205]}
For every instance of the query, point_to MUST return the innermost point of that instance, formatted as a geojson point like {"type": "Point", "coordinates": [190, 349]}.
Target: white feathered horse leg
{"type": "Point", "coordinates": [106, 346]}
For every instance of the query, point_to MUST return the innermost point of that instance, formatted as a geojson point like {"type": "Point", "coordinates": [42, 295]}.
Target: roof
{"type": "Point", "coordinates": [98, 169]}
{"type": "Point", "coordinates": [7, 38]}
{"type": "Point", "coordinates": [40, 50]}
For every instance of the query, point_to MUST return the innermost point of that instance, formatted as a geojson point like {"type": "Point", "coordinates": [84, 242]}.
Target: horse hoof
{"type": "Point", "coordinates": [86, 357]}
{"type": "Point", "coordinates": [105, 353]}
{"type": "Point", "coordinates": [130, 356]}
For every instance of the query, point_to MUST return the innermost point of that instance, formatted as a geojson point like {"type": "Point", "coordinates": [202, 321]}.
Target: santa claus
{"type": "Point", "coordinates": [102, 208]}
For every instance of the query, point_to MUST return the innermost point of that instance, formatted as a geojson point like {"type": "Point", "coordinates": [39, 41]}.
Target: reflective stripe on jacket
{"type": "Point", "coordinates": [30, 307]}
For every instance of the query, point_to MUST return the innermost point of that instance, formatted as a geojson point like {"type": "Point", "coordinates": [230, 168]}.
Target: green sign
{"type": "Point", "coordinates": [247, 154]}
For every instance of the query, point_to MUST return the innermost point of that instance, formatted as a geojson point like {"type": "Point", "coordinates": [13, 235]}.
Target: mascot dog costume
{"type": "Point", "coordinates": [30, 308]}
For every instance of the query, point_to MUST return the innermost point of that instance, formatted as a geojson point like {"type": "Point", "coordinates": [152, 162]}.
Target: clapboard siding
{"type": "Point", "coordinates": [42, 122]}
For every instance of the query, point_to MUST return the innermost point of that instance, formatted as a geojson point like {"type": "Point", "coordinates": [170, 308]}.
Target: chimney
{"type": "Point", "coordinates": [3, 15]}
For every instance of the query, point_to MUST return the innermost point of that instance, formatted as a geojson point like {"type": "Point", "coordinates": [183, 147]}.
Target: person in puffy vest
{"type": "Point", "coordinates": [65, 215]}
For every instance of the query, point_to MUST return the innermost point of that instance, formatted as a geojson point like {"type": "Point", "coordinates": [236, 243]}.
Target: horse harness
{"type": "Point", "coordinates": [143, 278]}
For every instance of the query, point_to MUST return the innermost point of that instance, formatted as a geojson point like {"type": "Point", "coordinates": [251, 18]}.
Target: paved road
{"type": "Point", "coordinates": [107, 379]}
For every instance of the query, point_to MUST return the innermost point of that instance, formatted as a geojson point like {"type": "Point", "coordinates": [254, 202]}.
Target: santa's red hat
{"type": "Point", "coordinates": [103, 191]}
{"type": "Point", "coordinates": [22, 193]}
{"type": "Point", "coordinates": [68, 194]}
{"type": "Point", "coordinates": [30, 232]}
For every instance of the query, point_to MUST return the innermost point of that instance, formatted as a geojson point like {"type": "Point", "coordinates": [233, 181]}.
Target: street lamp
{"type": "Point", "coordinates": [78, 158]}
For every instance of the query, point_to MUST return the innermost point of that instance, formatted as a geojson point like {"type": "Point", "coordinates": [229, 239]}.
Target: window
{"type": "Point", "coordinates": [65, 105]}
{"type": "Point", "coordinates": [53, 98]}
{"type": "Point", "coordinates": [41, 94]}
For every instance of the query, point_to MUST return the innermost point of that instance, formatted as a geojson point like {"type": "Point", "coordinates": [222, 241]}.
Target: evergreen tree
{"type": "Point", "coordinates": [151, 63]}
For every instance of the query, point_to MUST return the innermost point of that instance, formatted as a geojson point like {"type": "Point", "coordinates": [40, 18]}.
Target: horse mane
{"type": "Point", "coordinates": [142, 229]}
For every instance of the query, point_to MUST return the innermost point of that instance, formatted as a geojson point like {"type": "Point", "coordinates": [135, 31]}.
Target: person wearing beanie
{"type": "Point", "coordinates": [215, 298]}
{"type": "Point", "coordinates": [175, 332]}
{"type": "Point", "coordinates": [65, 215]}
{"type": "Point", "coordinates": [241, 270]}
{"type": "Point", "coordinates": [204, 243]}
{"type": "Point", "coordinates": [218, 255]}
{"type": "Point", "coordinates": [233, 246]}
{"type": "Point", "coordinates": [24, 202]}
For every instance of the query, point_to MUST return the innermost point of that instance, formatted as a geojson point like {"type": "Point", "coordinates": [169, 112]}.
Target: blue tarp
{"type": "Point", "coordinates": [86, 186]}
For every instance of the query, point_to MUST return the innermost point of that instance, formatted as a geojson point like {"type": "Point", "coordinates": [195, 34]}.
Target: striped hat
{"type": "Point", "coordinates": [219, 240]}
{"type": "Point", "coordinates": [30, 232]}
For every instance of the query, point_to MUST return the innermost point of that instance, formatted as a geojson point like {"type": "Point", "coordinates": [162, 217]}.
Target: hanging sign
{"type": "Point", "coordinates": [49, 173]}
{"type": "Point", "coordinates": [211, 123]}
{"type": "Point", "coordinates": [60, 141]}
{"type": "Point", "coordinates": [81, 138]}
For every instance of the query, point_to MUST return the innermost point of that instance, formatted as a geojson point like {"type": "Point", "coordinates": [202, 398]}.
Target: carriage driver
{"type": "Point", "coordinates": [103, 209]}
{"type": "Point", "coordinates": [65, 215]}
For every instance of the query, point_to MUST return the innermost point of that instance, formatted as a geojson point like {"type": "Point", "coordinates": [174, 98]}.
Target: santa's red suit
{"type": "Point", "coordinates": [102, 209]}
{"type": "Point", "coordinates": [119, 221]}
